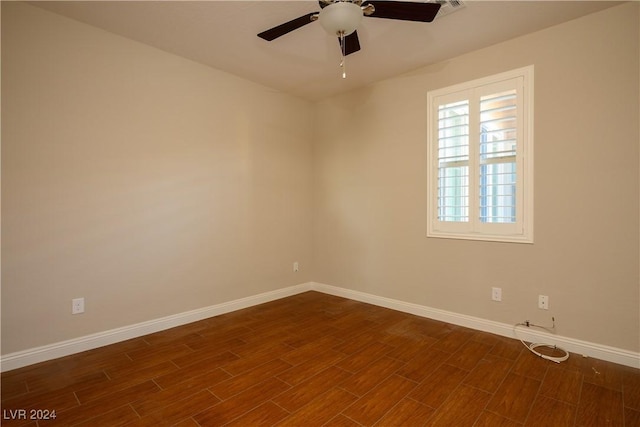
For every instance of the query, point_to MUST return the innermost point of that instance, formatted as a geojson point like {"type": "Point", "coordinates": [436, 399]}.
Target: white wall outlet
{"type": "Point", "coordinates": [77, 305]}
{"type": "Point", "coordinates": [496, 294]}
{"type": "Point", "coordinates": [543, 302]}
{"type": "Point", "coordinates": [296, 267]}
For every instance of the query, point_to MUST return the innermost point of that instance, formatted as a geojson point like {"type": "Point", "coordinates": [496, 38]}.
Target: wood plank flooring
{"type": "Point", "coordinates": [319, 360]}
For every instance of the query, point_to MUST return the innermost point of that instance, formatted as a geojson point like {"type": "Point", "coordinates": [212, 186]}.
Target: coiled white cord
{"type": "Point", "coordinates": [532, 346]}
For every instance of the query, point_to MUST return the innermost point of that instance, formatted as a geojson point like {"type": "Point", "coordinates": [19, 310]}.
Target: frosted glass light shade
{"type": "Point", "coordinates": [340, 17]}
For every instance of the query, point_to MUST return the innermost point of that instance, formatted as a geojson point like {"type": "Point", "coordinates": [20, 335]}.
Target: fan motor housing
{"type": "Point", "coordinates": [325, 3]}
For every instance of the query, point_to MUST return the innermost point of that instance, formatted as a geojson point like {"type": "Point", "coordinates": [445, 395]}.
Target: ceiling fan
{"type": "Point", "coordinates": [342, 17]}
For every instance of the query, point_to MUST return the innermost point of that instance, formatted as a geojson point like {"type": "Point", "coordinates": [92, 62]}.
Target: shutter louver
{"type": "Point", "coordinates": [497, 180]}
{"type": "Point", "coordinates": [453, 162]}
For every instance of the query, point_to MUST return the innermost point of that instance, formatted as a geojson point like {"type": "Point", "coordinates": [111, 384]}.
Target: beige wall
{"type": "Point", "coordinates": [146, 183]}
{"type": "Point", "coordinates": [370, 188]}
{"type": "Point", "coordinates": [151, 185]}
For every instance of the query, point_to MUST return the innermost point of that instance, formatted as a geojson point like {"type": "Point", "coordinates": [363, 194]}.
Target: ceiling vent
{"type": "Point", "coordinates": [447, 7]}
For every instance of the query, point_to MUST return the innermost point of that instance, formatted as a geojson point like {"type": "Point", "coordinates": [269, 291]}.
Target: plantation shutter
{"type": "Point", "coordinates": [476, 158]}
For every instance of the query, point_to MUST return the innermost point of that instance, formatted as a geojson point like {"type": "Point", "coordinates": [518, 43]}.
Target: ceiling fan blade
{"type": "Point", "coordinates": [287, 27]}
{"type": "Point", "coordinates": [404, 10]}
{"type": "Point", "coordinates": [351, 43]}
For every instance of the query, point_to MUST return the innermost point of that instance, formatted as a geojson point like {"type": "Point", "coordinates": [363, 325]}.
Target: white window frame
{"type": "Point", "coordinates": [521, 231]}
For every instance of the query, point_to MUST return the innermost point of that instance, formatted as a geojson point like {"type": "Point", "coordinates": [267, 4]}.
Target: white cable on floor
{"type": "Point", "coordinates": [532, 347]}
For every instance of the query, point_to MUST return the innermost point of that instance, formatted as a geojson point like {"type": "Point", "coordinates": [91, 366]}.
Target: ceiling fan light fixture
{"type": "Point", "coordinates": [340, 18]}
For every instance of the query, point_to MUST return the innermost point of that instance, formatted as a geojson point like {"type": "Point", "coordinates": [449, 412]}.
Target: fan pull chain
{"type": "Point", "coordinates": [343, 59]}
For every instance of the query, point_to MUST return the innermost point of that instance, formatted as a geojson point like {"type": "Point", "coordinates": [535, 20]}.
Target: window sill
{"type": "Point", "coordinates": [482, 237]}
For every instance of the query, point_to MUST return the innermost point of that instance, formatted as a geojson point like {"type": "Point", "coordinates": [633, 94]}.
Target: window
{"type": "Point", "coordinates": [480, 138]}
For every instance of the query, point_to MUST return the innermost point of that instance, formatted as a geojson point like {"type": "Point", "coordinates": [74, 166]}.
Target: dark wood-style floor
{"type": "Point", "coordinates": [314, 359]}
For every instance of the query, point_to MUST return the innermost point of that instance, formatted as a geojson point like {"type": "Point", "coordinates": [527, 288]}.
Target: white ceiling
{"type": "Point", "coordinates": [222, 34]}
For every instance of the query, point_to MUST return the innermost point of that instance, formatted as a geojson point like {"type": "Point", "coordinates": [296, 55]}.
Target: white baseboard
{"type": "Point", "coordinates": [585, 348]}
{"type": "Point", "coordinates": [53, 351]}
{"type": "Point", "coordinates": [48, 352]}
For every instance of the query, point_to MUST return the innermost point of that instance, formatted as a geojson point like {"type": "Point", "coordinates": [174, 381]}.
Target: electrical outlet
{"type": "Point", "coordinates": [296, 267]}
{"type": "Point", "coordinates": [496, 294]}
{"type": "Point", "coordinates": [543, 302]}
{"type": "Point", "coordinates": [77, 306]}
